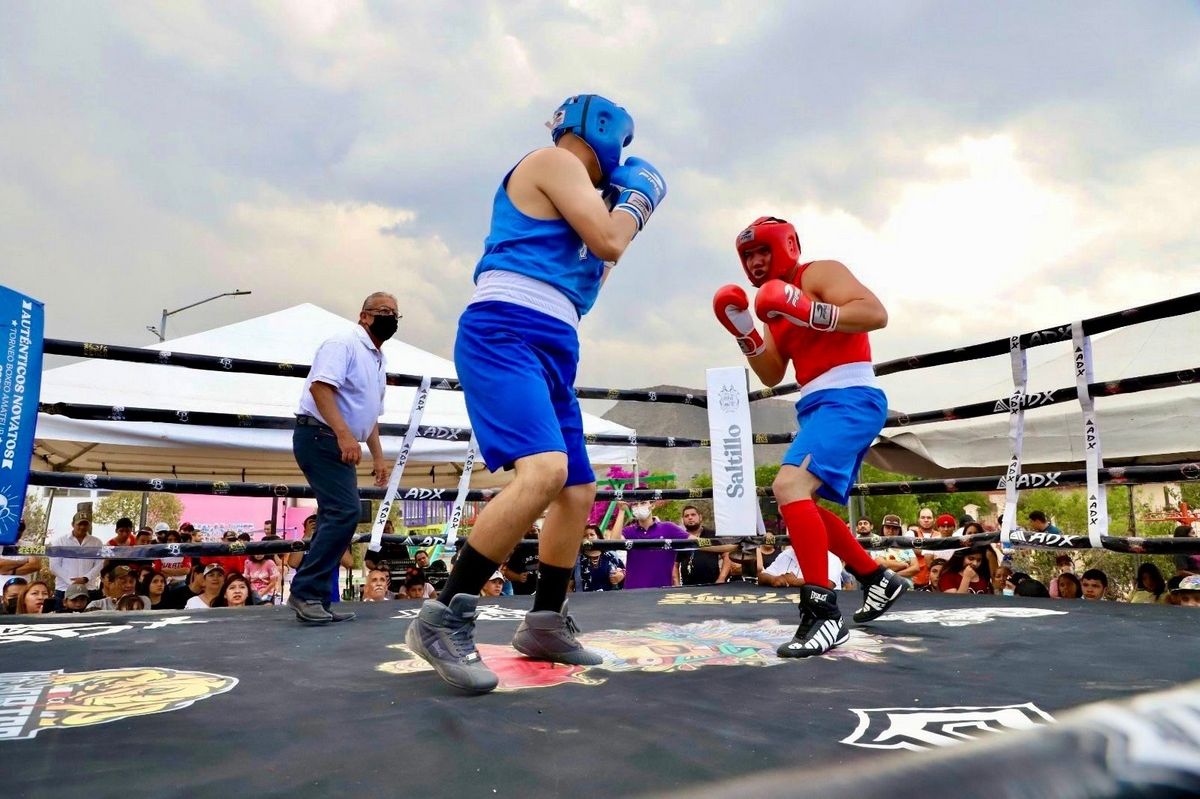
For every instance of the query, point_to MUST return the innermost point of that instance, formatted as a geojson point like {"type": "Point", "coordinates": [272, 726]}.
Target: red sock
{"type": "Point", "coordinates": [843, 544]}
{"type": "Point", "coordinates": [809, 540]}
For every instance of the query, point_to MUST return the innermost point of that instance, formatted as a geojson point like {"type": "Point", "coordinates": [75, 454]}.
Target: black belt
{"type": "Point", "coordinates": [303, 420]}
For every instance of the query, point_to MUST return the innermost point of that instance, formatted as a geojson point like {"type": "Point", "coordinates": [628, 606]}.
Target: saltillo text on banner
{"type": "Point", "coordinates": [735, 498]}
{"type": "Point", "coordinates": [23, 319]}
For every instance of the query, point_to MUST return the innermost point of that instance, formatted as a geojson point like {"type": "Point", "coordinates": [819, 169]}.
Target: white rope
{"type": "Point", "coordinates": [1097, 496]}
{"type": "Point", "coordinates": [385, 507]}
{"type": "Point", "coordinates": [464, 485]}
{"type": "Point", "coordinates": [1016, 435]}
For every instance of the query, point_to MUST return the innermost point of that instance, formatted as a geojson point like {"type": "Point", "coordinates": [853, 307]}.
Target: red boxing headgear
{"type": "Point", "coordinates": [780, 236]}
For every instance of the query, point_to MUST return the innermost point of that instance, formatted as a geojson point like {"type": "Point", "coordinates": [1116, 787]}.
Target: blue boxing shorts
{"type": "Point", "coordinates": [517, 369]}
{"type": "Point", "coordinates": [837, 427]}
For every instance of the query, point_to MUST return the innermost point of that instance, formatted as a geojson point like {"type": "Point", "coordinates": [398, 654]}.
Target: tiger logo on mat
{"type": "Point", "coordinates": [34, 701]}
{"type": "Point", "coordinates": [658, 648]}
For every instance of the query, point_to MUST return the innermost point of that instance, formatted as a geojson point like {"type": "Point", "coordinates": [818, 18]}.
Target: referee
{"type": "Point", "coordinates": [339, 408]}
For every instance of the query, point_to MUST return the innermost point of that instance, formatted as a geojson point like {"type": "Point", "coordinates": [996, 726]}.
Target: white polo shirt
{"type": "Point", "coordinates": [351, 364]}
{"type": "Point", "coordinates": [67, 569]}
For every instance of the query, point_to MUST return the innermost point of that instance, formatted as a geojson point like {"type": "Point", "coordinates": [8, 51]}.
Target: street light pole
{"type": "Point", "coordinates": [161, 330]}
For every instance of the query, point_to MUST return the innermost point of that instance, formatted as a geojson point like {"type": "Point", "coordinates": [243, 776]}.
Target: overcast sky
{"type": "Point", "coordinates": [985, 168]}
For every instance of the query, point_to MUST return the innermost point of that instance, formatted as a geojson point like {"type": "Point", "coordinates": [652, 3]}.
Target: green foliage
{"type": "Point", "coordinates": [162, 508]}
{"type": "Point", "coordinates": [34, 515]}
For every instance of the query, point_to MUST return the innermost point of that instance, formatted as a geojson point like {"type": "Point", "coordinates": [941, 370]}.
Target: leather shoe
{"type": "Point", "coordinates": [309, 611]}
{"type": "Point", "coordinates": [340, 615]}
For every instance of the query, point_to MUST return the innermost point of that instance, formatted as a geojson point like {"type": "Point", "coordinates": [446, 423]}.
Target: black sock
{"type": "Point", "coordinates": [551, 587]}
{"type": "Point", "coordinates": [470, 572]}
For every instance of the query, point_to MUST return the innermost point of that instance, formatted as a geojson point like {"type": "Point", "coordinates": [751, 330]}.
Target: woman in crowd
{"type": "Point", "coordinates": [967, 572]}
{"type": "Point", "coordinates": [33, 597]}
{"type": "Point", "coordinates": [263, 574]}
{"type": "Point", "coordinates": [153, 585]}
{"type": "Point", "coordinates": [1149, 587]}
{"type": "Point", "coordinates": [1069, 586]}
{"type": "Point", "coordinates": [235, 593]}
{"type": "Point", "coordinates": [214, 581]}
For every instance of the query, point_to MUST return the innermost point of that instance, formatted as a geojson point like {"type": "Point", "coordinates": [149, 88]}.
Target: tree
{"type": "Point", "coordinates": [166, 508]}
{"type": "Point", "coordinates": [34, 516]}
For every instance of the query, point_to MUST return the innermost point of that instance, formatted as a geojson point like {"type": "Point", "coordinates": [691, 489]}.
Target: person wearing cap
{"type": "Point", "coordinates": [75, 599]}
{"type": "Point", "coordinates": [214, 583]}
{"type": "Point", "coordinates": [179, 593]}
{"type": "Point", "coordinates": [597, 570]}
{"type": "Point", "coordinates": [494, 586]}
{"type": "Point", "coordinates": [1187, 593]}
{"type": "Point", "coordinates": [945, 525]}
{"type": "Point", "coordinates": [339, 410]}
{"type": "Point", "coordinates": [84, 571]}
{"type": "Point", "coordinates": [118, 580]}
{"type": "Point", "coordinates": [230, 563]}
{"type": "Point", "coordinates": [902, 561]}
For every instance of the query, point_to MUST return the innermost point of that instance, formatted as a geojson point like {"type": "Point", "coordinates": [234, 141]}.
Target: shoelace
{"type": "Point", "coordinates": [572, 627]}
{"type": "Point", "coordinates": [463, 641]}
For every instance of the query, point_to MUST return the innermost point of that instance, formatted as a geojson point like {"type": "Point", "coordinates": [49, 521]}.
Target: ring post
{"type": "Point", "coordinates": [385, 507]}
{"type": "Point", "coordinates": [1016, 435]}
{"type": "Point", "coordinates": [464, 488]}
{"type": "Point", "coordinates": [1097, 505]}
{"type": "Point", "coordinates": [24, 320]}
{"type": "Point", "coordinates": [735, 497]}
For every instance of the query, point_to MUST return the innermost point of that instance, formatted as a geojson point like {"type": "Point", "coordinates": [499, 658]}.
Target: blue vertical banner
{"type": "Point", "coordinates": [22, 320]}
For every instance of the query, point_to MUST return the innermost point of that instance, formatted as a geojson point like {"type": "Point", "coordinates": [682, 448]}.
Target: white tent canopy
{"type": "Point", "coordinates": [233, 454]}
{"type": "Point", "coordinates": [1149, 427]}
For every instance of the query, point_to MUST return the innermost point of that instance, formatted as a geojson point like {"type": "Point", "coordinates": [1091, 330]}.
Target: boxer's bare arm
{"type": "Point", "coordinates": [860, 311]}
{"type": "Point", "coordinates": [770, 365]}
{"type": "Point", "coordinates": [552, 183]}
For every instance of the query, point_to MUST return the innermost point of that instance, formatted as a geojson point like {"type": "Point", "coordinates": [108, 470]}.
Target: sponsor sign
{"type": "Point", "coordinates": [22, 320]}
{"type": "Point", "coordinates": [735, 500]}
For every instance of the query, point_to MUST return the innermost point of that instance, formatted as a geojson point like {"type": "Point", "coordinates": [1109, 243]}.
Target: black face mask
{"type": "Point", "coordinates": [383, 327]}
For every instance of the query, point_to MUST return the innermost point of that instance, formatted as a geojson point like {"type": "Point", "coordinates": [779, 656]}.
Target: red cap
{"type": "Point", "coordinates": [946, 519]}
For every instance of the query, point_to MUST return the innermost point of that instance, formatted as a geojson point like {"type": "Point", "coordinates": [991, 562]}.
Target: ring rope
{"type": "Point", "coordinates": [217, 363]}
{"type": "Point", "coordinates": [1024, 539]}
{"type": "Point", "coordinates": [1164, 309]}
{"type": "Point", "coordinates": [1118, 475]}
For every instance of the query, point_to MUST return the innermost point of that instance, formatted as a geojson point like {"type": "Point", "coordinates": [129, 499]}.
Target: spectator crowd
{"type": "Point", "coordinates": [400, 573]}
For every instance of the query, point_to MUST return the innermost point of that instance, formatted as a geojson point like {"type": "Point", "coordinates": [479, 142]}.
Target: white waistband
{"type": "Point", "coordinates": [499, 286]}
{"type": "Point", "coordinates": [847, 375]}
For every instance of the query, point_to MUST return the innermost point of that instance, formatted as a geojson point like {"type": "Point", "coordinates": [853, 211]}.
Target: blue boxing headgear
{"type": "Point", "coordinates": [604, 125]}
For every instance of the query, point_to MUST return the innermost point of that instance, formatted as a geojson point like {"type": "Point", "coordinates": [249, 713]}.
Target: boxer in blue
{"type": "Point", "coordinates": [561, 218]}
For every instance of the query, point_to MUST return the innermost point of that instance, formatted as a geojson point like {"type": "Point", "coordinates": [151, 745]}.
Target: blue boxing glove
{"type": "Point", "coordinates": [641, 188]}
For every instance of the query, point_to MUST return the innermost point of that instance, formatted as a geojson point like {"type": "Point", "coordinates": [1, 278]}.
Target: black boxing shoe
{"type": "Point", "coordinates": [881, 589]}
{"type": "Point", "coordinates": [821, 625]}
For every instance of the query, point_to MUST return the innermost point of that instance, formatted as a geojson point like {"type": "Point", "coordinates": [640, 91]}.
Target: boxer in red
{"type": "Point", "coordinates": [817, 316]}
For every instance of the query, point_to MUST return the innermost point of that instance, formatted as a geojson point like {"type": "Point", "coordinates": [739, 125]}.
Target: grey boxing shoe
{"type": "Point", "coordinates": [821, 625]}
{"type": "Point", "coordinates": [444, 637]}
{"type": "Point", "coordinates": [880, 592]}
{"type": "Point", "coordinates": [309, 611]}
{"type": "Point", "coordinates": [550, 635]}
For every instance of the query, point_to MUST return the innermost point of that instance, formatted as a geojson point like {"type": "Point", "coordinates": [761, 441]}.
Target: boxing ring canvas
{"type": "Point", "coordinates": [249, 702]}
{"type": "Point", "coordinates": [288, 336]}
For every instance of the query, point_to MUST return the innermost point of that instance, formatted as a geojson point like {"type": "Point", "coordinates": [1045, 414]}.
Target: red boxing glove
{"type": "Point", "coordinates": [732, 307]}
{"type": "Point", "coordinates": [779, 300]}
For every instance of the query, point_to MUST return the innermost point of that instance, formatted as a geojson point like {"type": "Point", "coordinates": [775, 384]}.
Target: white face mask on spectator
{"type": "Point", "coordinates": [641, 512]}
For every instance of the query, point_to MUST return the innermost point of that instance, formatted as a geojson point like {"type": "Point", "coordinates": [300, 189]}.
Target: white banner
{"type": "Point", "coordinates": [735, 498]}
